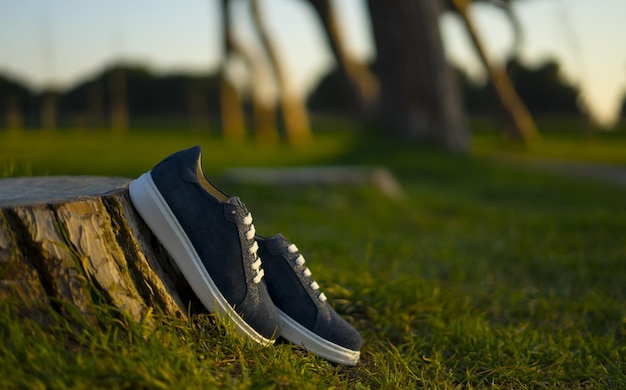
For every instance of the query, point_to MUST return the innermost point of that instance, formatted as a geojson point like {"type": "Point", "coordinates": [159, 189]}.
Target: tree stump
{"type": "Point", "coordinates": [78, 241]}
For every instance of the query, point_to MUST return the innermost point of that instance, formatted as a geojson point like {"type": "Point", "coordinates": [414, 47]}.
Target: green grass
{"type": "Point", "coordinates": [561, 139]}
{"type": "Point", "coordinates": [487, 275]}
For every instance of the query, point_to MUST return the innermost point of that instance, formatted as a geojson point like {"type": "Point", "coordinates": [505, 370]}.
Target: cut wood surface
{"type": "Point", "coordinates": [77, 240]}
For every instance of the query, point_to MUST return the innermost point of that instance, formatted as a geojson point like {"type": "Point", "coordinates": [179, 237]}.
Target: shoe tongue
{"type": "Point", "coordinates": [235, 201]}
{"type": "Point", "coordinates": [280, 240]}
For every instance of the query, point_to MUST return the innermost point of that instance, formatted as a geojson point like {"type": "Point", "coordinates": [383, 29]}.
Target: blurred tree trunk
{"type": "Point", "coordinates": [13, 114]}
{"type": "Point", "coordinates": [518, 122]}
{"type": "Point", "coordinates": [233, 122]}
{"type": "Point", "coordinates": [360, 81]}
{"type": "Point", "coordinates": [265, 126]}
{"type": "Point", "coordinates": [420, 98]}
{"type": "Point", "coordinates": [294, 113]}
{"type": "Point", "coordinates": [119, 108]}
{"type": "Point", "coordinates": [265, 122]}
{"type": "Point", "coordinates": [196, 104]}
{"type": "Point", "coordinates": [49, 111]}
{"type": "Point", "coordinates": [95, 104]}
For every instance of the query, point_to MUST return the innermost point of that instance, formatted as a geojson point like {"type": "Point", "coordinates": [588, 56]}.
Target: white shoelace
{"type": "Point", "coordinates": [256, 266]}
{"type": "Point", "coordinates": [300, 262]}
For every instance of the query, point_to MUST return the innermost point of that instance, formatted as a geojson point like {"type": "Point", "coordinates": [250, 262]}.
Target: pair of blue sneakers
{"type": "Point", "coordinates": [211, 237]}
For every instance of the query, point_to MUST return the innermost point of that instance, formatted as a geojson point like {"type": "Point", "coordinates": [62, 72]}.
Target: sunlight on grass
{"type": "Point", "coordinates": [485, 276]}
{"type": "Point", "coordinates": [564, 140]}
{"type": "Point", "coordinates": [101, 153]}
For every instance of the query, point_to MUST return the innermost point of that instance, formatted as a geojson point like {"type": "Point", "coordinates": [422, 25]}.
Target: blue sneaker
{"type": "Point", "coordinates": [308, 320]}
{"type": "Point", "coordinates": [211, 238]}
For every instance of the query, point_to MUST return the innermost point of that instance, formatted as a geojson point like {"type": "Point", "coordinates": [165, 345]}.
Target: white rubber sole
{"type": "Point", "coordinates": [159, 217]}
{"type": "Point", "coordinates": [299, 335]}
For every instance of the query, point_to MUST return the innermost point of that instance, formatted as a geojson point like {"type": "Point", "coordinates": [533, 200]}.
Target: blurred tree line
{"type": "Point", "coordinates": [195, 100]}
{"type": "Point", "coordinates": [411, 88]}
{"type": "Point", "coordinates": [542, 88]}
{"type": "Point", "coordinates": [90, 103]}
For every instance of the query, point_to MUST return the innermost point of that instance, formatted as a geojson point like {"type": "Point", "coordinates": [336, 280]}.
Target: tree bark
{"type": "Point", "coordinates": [76, 243]}
{"type": "Point", "coordinates": [420, 98]}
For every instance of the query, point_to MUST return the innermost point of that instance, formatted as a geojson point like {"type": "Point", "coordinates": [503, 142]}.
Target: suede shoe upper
{"type": "Point", "coordinates": [220, 229]}
{"type": "Point", "coordinates": [295, 293]}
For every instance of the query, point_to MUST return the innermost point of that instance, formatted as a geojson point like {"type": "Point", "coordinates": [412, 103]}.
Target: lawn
{"type": "Point", "coordinates": [486, 275]}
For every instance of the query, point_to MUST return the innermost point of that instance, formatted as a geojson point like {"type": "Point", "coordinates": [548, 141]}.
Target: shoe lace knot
{"type": "Point", "coordinates": [299, 262]}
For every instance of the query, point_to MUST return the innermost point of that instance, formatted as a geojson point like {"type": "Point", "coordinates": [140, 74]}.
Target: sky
{"type": "Point", "coordinates": [47, 43]}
